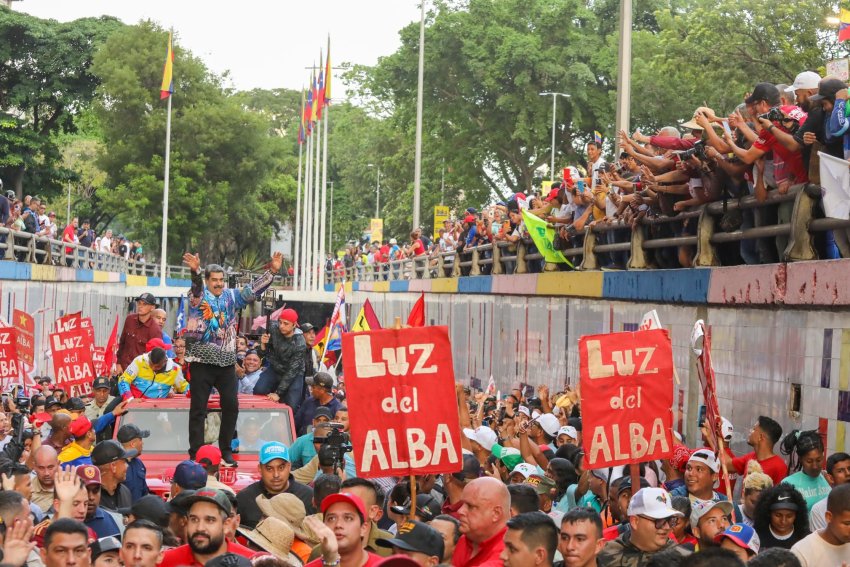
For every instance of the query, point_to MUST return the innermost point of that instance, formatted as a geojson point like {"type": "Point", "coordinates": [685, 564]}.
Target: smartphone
{"type": "Point", "coordinates": [701, 418]}
{"type": "Point", "coordinates": [726, 128]}
{"type": "Point", "coordinates": [580, 185]}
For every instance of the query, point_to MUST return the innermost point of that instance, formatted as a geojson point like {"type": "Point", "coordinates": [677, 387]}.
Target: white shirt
{"type": "Point", "coordinates": [817, 517]}
{"type": "Point", "coordinates": [814, 551]}
{"type": "Point", "coordinates": [247, 382]}
{"type": "Point", "coordinates": [105, 244]}
{"type": "Point", "coordinates": [595, 170]}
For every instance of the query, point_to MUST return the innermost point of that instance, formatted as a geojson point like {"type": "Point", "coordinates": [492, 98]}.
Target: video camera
{"type": "Point", "coordinates": [337, 443]}
{"type": "Point", "coordinates": [774, 115]}
{"type": "Point", "coordinates": [698, 151]}
{"type": "Point", "coordinates": [15, 448]}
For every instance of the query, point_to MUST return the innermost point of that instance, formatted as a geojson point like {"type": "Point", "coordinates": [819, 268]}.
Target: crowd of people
{"type": "Point", "coordinates": [75, 489]}
{"type": "Point", "coordinates": [766, 145]}
{"type": "Point", "coordinates": [31, 216]}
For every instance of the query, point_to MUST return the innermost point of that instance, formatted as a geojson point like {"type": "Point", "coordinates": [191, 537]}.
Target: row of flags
{"type": "Point", "coordinates": [316, 97]}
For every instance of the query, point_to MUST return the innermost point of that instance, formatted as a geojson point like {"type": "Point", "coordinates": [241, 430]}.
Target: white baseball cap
{"type": "Point", "coordinates": [525, 469]}
{"type": "Point", "coordinates": [484, 436]}
{"type": "Point", "coordinates": [726, 429]}
{"type": "Point", "coordinates": [524, 411]}
{"type": "Point", "coordinates": [549, 423]}
{"type": "Point", "coordinates": [654, 503]}
{"type": "Point", "coordinates": [700, 508]}
{"type": "Point", "coordinates": [706, 457]}
{"type": "Point", "coordinates": [569, 431]}
{"type": "Point", "coordinates": [805, 80]}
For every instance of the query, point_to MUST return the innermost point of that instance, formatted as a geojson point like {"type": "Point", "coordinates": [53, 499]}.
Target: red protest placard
{"type": "Point", "coordinates": [98, 356]}
{"type": "Point", "coordinates": [626, 397]}
{"type": "Point", "coordinates": [401, 399]}
{"type": "Point", "coordinates": [10, 370]}
{"type": "Point", "coordinates": [24, 323]}
{"type": "Point", "coordinates": [72, 361]}
{"type": "Point", "coordinates": [69, 322]}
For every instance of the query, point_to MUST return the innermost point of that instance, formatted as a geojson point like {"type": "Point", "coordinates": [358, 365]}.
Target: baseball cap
{"type": "Point", "coordinates": [654, 503]}
{"type": "Point", "coordinates": [190, 474]}
{"type": "Point", "coordinates": [307, 327]}
{"type": "Point", "coordinates": [471, 468]}
{"type": "Point", "coordinates": [553, 194]}
{"type": "Point", "coordinates": [482, 435]}
{"type": "Point", "coordinates": [726, 429]}
{"type": "Point", "coordinates": [150, 507]}
{"type": "Point", "coordinates": [766, 92]}
{"type": "Point", "coordinates": [75, 404]}
{"type": "Point", "coordinates": [827, 89]}
{"type": "Point", "coordinates": [131, 431]}
{"type": "Point", "coordinates": [784, 503]}
{"type": "Point", "coordinates": [743, 535]}
{"type": "Point", "coordinates": [228, 560]}
{"type": "Point", "coordinates": [101, 382]}
{"type": "Point", "coordinates": [289, 315]}
{"type": "Point", "coordinates": [569, 431]}
{"type": "Point", "coordinates": [209, 453]}
{"type": "Point", "coordinates": [177, 505]}
{"type": "Point", "coordinates": [217, 497]}
{"type": "Point", "coordinates": [393, 241]}
{"type": "Point", "coordinates": [700, 508]}
{"type": "Point", "coordinates": [79, 426]}
{"type": "Point", "coordinates": [525, 469]}
{"type": "Point", "coordinates": [323, 411]}
{"type": "Point", "coordinates": [104, 545]}
{"type": "Point", "coordinates": [321, 379]}
{"type": "Point", "coordinates": [542, 484]}
{"type": "Point", "coordinates": [469, 218]}
{"type": "Point", "coordinates": [427, 507]}
{"type": "Point", "coordinates": [524, 411]}
{"type": "Point", "coordinates": [156, 343]}
{"type": "Point", "coordinates": [89, 474]}
{"type": "Point", "coordinates": [805, 80]}
{"type": "Point", "coordinates": [510, 456]}
{"type": "Point", "coordinates": [626, 484]}
{"type": "Point", "coordinates": [601, 474]}
{"type": "Point", "coordinates": [549, 423]}
{"type": "Point", "coordinates": [416, 536]}
{"type": "Point", "coordinates": [706, 457]}
{"type": "Point", "coordinates": [147, 298]}
{"type": "Point", "coordinates": [346, 497]}
{"type": "Point", "coordinates": [273, 450]}
{"type": "Point", "coordinates": [110, 451]}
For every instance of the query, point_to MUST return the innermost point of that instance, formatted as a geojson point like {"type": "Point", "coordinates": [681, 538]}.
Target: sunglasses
{"type": "Point", "coordinates": [672, 522]}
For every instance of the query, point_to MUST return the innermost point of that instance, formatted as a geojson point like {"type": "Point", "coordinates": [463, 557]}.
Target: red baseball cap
{"type": "Point", "coordinates": [211, 453]}
{"type": "Point", "coordinates": [90, 474]}
{"type": "Point", "coordinates": [469, 218]}
{"type": "Point", "coordinates": [347, 498]}
{"type": "Point", "coordinates": [156, 343]}
{"type": "Point", "coordinates": [289, 315]}
{"type": "Point", "coordinates": [79, 426]}
{"type": "Point", "coordinates": [553, 194]}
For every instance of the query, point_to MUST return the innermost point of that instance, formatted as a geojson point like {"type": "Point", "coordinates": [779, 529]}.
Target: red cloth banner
{"type": "Point", "coordinates": [626, 397]}
{"type": "Point", "coordinates": [10, 369]}
{"type": "Point", "coordinates": [25, 325]}
{"type": "Point", "coordinates": [98, 356]}
{"type": "Point", "coordinates": [69, 322]}
{"type": "Point", "coordinates": [403, 408]}
{"type": "Point", "coordinates": [72, 361]}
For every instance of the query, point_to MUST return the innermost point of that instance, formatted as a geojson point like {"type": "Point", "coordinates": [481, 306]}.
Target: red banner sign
{"type": "Point", "coordinates": [10, 370]}
{"type": "Point", "coordinates": [98, 356]}
{"type": "Point", "coordinates": [626, 397]}
{"type": "Point", "coordinates": [403, 409]}
{"type": "Point", "coordinates": [24, 323]}
{"type": "Point", "coordinates": [72, 361]}
{"type": "Point", "coordinates": [69, 322]}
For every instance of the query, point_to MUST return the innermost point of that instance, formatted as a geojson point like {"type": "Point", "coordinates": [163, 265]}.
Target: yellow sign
{"type": "Point", "coordinates": [376, 230]}
{"type": "Point", "coordinates": [441, 214]}
{"type": "Point", "coordinates": [545, 187]}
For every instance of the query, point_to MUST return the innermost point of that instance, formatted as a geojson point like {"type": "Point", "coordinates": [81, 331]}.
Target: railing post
{"type": "Point", "coordinates": [31, 256]}
{"type": "Point", "coordinates": [496, 268]}
{"type": "Point", "coordinates": [706, 253]}
{"type": "Point", "coordinates": [800, 241]}
{"type": "Point", "coordinates": [521, 251]}
{"type": "Point", "coordinates": [589, 261]}
{"type": "Point", "coordinates": [426, 267]}
{"type": "Point", "coordinates": [10, 245]}
{"type": "Point", "coordinates": [637, 258]}
{"type": "Point", "coordinates": [456, 265]}
{"type": "Point", "coordinates": [441, 265]}
{"type": "Point", "coordinates": [475, 269]}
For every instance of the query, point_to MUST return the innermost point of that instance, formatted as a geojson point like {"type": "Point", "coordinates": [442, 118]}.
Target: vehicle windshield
{"type": "Point", "coordinates": [170, 428]}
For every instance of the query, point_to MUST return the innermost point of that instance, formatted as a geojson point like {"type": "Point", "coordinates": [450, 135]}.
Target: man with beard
{"type": "Point", "coordinates": [141, 545]}
{"type": "Point", "coordinates": [208, 513]}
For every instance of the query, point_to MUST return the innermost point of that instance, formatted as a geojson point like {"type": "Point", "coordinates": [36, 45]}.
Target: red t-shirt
{"type": "Point", "coordinates": [488, 552]}
{"type": "Point", "coordinates": [373, 560]}
{"type": "Point", "coordinates": [418, 247]}
{"type": "Point", "coordinates": [773, 466]}
{"type": "Point", "coordinates": [68, 236]}
{"type": "Point", "coordinates": [183, 556]}
{"type": "Point", "coordinates": [793, 160]}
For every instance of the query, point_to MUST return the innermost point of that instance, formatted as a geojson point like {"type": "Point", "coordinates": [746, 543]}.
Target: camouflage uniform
{"type": "Point", "coordinates": [622, 553]}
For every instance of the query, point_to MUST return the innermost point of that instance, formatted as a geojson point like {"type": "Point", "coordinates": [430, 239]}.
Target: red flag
{"type": "Point", "coordinates": [110, 354]}
{"type": "Point", "coordinates": [320, 91]}
{"type": "Point", "coordinates": [417, 314]}
{"type": "Point", "coordinates": [707, 380]}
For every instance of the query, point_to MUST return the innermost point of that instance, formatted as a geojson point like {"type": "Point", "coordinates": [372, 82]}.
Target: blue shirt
{"type": "Point", "coordinates": [302, 450]}
{"type": "Point", "coordinates": [136, 478]}
{"type": "Point", "coordinates": [103, 524]}
{"type": "Point", "coordinates": [307, 411]}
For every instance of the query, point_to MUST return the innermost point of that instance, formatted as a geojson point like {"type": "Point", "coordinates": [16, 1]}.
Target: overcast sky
{"type": "Point", "coordinates": [263, 43]}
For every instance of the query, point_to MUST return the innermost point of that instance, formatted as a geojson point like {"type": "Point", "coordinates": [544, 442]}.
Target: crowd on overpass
{"type": "Point", "coordinates": [75, 488]}
{"type": "Point", "coordinates": [766, 145]}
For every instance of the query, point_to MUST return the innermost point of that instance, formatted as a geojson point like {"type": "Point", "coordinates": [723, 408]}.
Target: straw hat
{"type": "Point", "coordinates": [290, 509]}
{"type": "Point", "coordinates": [272, 535]}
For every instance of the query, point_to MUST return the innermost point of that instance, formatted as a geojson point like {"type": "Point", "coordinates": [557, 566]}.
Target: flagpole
{"type": "Point", "coordinates": [162, 259]}
{"type": "Point", "coordinates": [324, 201]}
{"type": "Point", "coordinates": [308, 215]}
{"type": "Point", "coordinates": [319, 261]}
{"type": "Point", "coordinates": [296, 239]}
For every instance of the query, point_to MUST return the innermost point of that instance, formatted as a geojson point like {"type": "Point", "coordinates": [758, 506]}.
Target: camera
{"type": "Point", "coordinates": [337, 444]}
{"type": "Point", "coordinates": [697, 151]}
{"type": "Point", "coordinates": [774, 115]}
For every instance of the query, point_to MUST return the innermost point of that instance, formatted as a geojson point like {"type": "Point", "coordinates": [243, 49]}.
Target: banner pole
{"type": "Point", "coordinates": [720, 451]}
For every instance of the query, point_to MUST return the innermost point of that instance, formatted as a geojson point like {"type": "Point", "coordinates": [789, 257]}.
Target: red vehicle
{"type": "Point", "coordinates": [260, 420]}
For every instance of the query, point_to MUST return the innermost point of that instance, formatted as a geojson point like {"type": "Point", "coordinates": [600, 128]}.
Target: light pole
{"type": "Point", "coordinates": [417, 160]}
{"type": "Point", "coordinates": [377, 191]}
{"type": "Point", "coordinates": [554, 96]}
{"type": "Point", "coordinates": [331, 220]}
{"type": "Point", "coordinates": [624, 71]}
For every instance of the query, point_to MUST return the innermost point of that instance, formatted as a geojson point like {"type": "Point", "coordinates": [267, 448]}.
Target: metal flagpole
{"type": "Point", "coordinates": [308, 215]}
{"type": "Point", "coordinates": [324, 201]}
{"type": "Point", "coordinates": [417, 156]}
{"type": "Point", "coordinates": [296, 236]}
{"type": "Point", "coordinates": [317, 189]}
{"type": "Point", "coordinates": [162, 259]}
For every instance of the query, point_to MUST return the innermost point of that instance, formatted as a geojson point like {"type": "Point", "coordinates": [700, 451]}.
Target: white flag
{"type": "Point", "coordinates": [835, 181]}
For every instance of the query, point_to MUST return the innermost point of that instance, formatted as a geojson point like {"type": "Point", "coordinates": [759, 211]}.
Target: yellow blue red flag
{"type": "Point", "coordinates": [167, 88]}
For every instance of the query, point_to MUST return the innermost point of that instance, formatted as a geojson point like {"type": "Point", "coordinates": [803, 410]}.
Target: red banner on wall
{"type": "Point", "coordinates": [69, 322]}
{"type": "Point", "coordinates": [402, 403]}
{"type": "Point", "coordinates": [24, 323]}
{"type": "Point", "coordinates": [72, 361]}
{"type": "Point", "coordinates": [10, 369]}
{"type": "Point", "coordinates": [626, 397]}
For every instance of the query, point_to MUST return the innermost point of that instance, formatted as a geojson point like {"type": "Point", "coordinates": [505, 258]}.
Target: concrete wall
{"type": "Point", "coordinates": [757, 352]}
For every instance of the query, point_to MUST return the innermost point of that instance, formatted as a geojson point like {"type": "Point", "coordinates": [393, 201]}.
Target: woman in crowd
{"type": "Point", "coordinates": [805, 465]}
{"type": "Point", "coordinates": [754, 484]}
{"type": "Point", "coordinates": [780, 517]}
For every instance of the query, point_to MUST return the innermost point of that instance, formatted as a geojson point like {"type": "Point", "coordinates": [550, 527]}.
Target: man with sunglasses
{"type": "Point", "coordinates": [652, 518]}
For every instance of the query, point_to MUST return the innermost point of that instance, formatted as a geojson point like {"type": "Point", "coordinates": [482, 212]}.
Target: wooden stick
{"type": "Point", "coordinates": [634, 473]}
{"type": "Point", "coordinates": [412, 497]}
{"type": "Point", "coordinates": [720, 451]}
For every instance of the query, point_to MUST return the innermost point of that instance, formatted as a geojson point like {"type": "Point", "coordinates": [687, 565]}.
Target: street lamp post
{"type": "Point", "coordinates": [377, 191]}
{"type": "Point", "coordinates": [554, 96]}
{"type": "Point", "coordinates": [417, 158]}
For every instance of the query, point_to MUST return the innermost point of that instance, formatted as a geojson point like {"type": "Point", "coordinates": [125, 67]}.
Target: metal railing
{"type": "Point", "coordinates": [27, 247]}
{"type": "Point", "coordinates": [521, 257]}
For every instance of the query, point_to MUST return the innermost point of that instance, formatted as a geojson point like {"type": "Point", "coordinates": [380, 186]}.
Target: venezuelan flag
{"type": "Point", "coordinates": [308, 112]}
{"type": "Point", "coordinates": [302, 135]}
{"type": "Point", "coordinates": [327, 98]}
{"type": "Point", "coordinates": [844, 25]}
{"type": "Point", "coordinates": [320, 92]}
{"type": "Point", "coordinates": [315, 100]}
{"type": "Point", "coordinates": [167, 88]}
{"type": "Point", "coordinates": [597, 137]}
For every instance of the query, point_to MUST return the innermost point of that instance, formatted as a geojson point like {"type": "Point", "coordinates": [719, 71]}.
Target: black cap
{"type": "Point", "coordinates": [416, 536]}
{"type": "Point", "coordinates": [228, 560]}
{"type": "Point", "coordinates": [471, 469]}
{"type": "Point", "coordinates": [101, 382]}
{"type": "Point", "coordinates": [131, 431]}
{"type": "Point", "coordinates": [766, 92]}
{"type": "Point", "coordinates": [307, 327]}
{"type": "Point", "coordinates": [150, 507]}
{"type": "Point", "coordinates": [323, 411]}
{"type": "Point", "coordinates": [827, 89]}
{"type": "Point", "coordinates": [147, 298]}
{"type": "Point", "coordinates": [427, 507]}
{"type": "Point", "coordinates": [110, 451]}
{"type": "Point", "coordinates": [322, 379]}
{"type": "Point", "coordinates": [180, 503]}
{"type": "Point", "coordinates": [50, 401]}
{"type": "Point", "coordinates": [213, 496]}
{"type": "Point", "coordinates": [75, 404]}
{"type": "Point", "coordinates": [626, 484]}
{"type": "Point", "coordinates": [104, 545]}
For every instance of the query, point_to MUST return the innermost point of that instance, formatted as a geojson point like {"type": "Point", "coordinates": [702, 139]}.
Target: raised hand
{"type": "Point", "coordinates": [193, 261]}
{"type": "Point", "coordinates": [18, 546]}
{"type": "Point", "coordinates": [327, 538]}
{"type": "Point", "coordinates": [66, 483]}
{"type": "Point", "coordinates": [277, 261]}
